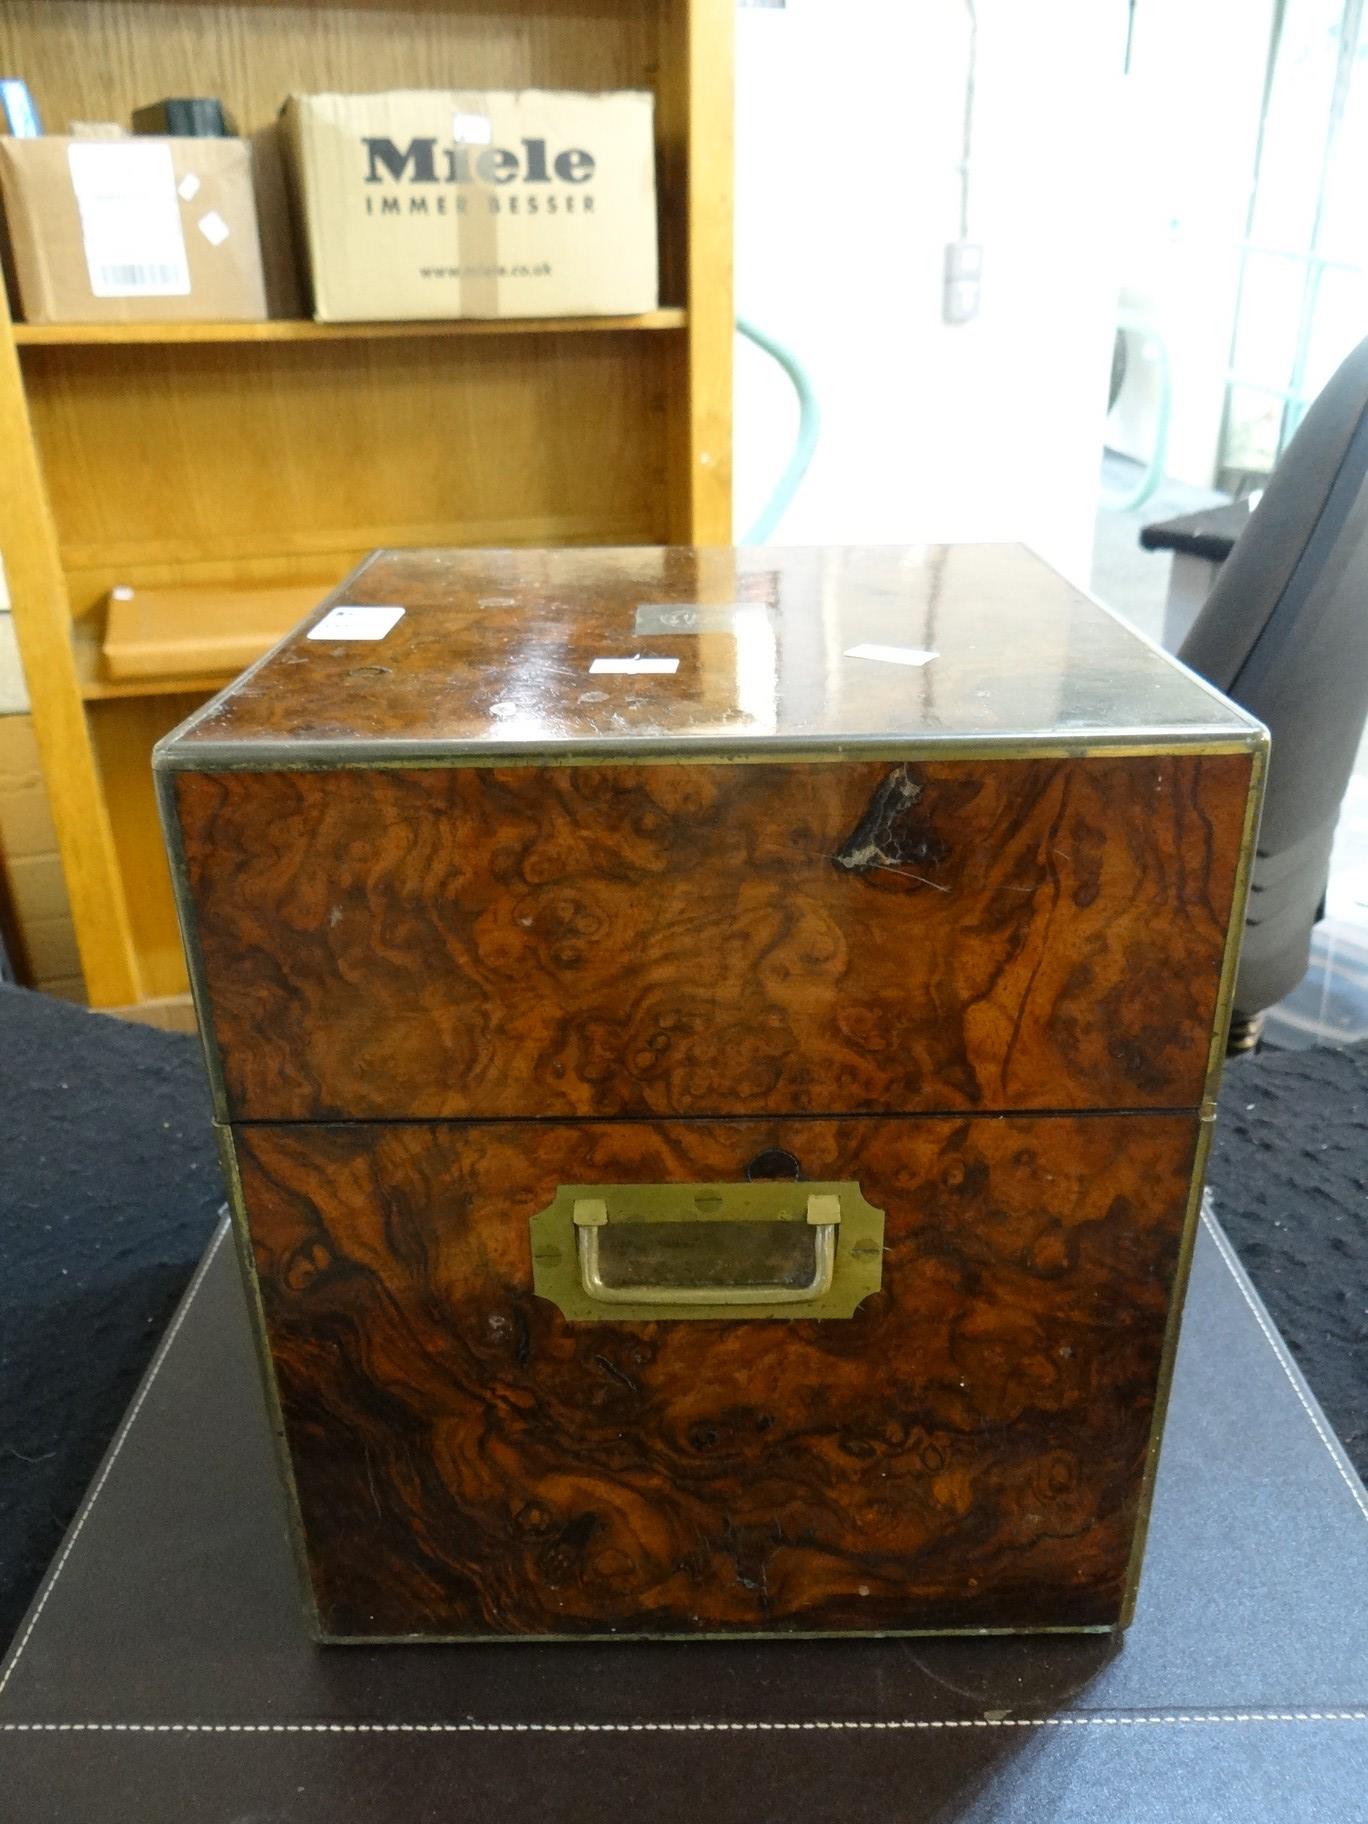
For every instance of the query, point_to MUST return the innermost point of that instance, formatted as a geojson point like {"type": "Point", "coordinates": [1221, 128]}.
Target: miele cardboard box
{"type": "Point", "coordinates": [435, 203]}
{"type": "Point", "coordinates": [133, 230]}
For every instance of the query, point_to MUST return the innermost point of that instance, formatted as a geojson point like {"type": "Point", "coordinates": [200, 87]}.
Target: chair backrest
{"type": "Point", "coordinates": [1284, 632]}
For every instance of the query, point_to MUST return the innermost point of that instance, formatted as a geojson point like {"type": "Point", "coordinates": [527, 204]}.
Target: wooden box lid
{"type": "Point", "coordinates": [636, 651]}
{"type": "Point", "coordinates": [989, 861]}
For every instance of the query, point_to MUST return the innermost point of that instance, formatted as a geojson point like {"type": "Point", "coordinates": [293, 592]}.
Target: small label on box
{"type": "Point", "coordinates": [356, 623]}
{"type": "Point", "coordinates": [130, 218]}
{"type": "Point", "coordinates": [188, 188]}
{"type": "Point", "coordinates": [472, 129]}
{"type": "Point", "coordinates": [891, 655]}
{"type": "Point", "coordinates": [695, 617]}
{"type": "Point", "coordinates": [213, 228]}
{"type": "Point", "coordinates": [636, 667]}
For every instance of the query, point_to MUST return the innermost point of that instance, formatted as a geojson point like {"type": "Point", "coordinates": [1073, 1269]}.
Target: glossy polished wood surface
{"type": "Point", "coordinates": [472, 921]}
{"type": "Point", "coordinates": [966, 1451]}
{"type": "Point", "coordinates": [672, 940]}
{"type": "Point", "coordinates": [495, 649]}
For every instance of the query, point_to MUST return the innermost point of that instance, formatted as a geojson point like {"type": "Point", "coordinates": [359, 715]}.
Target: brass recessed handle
{"type": "Point", "coordinates": [728, 1258]}
{"type": "Point", "coordinates": [779, 1250]}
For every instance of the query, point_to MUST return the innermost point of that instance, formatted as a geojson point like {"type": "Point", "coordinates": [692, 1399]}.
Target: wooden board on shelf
{"type": "Point", "coordinates": [172, 455]}
{"type": "Point", "coordinates": [160, 633]}
{"type": "Point", "coordinates": [97, 689]}
{"type": "Point", "coordinates": [123, 734]}
{"type": "Point", "coordinates": [99, 60]}
{"type": "Point", "coordinates": [88, 335]}
{"type": "Point", "coordinates": [696, 161]}
{"type": "Point", "coordinates": [91, 864]}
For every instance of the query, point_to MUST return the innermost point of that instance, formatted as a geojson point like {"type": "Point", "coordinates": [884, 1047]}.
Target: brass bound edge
{"type": "Point", "coordinates": [1206, 1118]}
{"type": "Point", "coordinates": [261, 1350]}
{"type": "Point", "coordinates": [296, 756]}
{"type": "Point", "coordinates": [186, 917]}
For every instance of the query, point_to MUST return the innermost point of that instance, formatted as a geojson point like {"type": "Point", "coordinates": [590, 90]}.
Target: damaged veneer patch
{"type": "Point", "coordinates": [894, 836]}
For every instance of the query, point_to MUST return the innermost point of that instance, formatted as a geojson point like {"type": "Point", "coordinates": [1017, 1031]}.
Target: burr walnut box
{"type": "Point", "coordinates": [715, 1052]}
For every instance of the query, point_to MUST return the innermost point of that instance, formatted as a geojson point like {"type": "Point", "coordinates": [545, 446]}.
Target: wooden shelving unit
{"type": "Point", "coordinates": [232, 455]}
{"type": "Point", "coordinates": [87, 335]}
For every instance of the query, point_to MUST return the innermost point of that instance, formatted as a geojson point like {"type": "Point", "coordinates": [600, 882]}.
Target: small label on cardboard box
{"type": "Point", "coordinates": [130, 218]}
{"type": "Point", "coordinates": [213, 227]}
{"type": "Point", "coordinates": [352, 622]}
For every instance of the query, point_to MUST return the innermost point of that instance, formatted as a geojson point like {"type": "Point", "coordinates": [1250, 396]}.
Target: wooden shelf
{"type": "Point", "coordinates": [214, 459]}
{"type": "Point", "coordinates": [182, 641]}
{"type": "Point", "coordinates": [96, 688]}
{"type": "Point", "coordinates": [124, 334]}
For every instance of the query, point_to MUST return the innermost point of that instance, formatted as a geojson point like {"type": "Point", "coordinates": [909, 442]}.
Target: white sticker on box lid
{"type": "Point", "coordinates": [891, 655]}
{"type": "Point", "coordinates": [213, 228]}
{"type": "Point", "coordinates": [188, 188]}
{"type": "Point", "coordinates": [350, 622]}
{"type": "Point", "coordinates": [130, 219]}
{"type": "Point", "coordinates": [635, 667]}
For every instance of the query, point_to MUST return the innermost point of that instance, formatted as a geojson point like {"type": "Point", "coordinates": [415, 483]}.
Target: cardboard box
{"type": "Point", "coordinates": [460, 203]}
{"type": "Point", "coordinates": [282, 257]}
{"type": "Point", "coordinates": [42, 935]}
{"type": "Point", "coordinates": [133, 230]}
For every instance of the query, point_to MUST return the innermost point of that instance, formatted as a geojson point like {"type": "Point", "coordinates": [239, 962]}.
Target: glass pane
{"type": "Point", "coordinates": [1297, 124]}
{"type": "Point", "coordinates": [1339, 324]}
{"type": "Point", "coordinates": [1270, 319]}
{"type": "Point", "coordinates": [1253, 434]}
{"type": "Point", "coordinates": [1344, 219]}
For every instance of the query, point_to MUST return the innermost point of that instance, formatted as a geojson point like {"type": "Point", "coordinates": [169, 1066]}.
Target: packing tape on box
{"type": "Point", "coordinates": [477, 224]}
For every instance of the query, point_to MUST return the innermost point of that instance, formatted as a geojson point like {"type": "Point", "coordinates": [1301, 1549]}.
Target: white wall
{"type": "Point", "coordinates": [849, 120]}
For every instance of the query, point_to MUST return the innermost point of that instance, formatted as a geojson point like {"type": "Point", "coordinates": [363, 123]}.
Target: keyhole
{"type": "Point", "coordinates": [774, 1162]}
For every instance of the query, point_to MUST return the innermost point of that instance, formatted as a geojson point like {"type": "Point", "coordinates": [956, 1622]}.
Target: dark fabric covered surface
{"type": "Point", "coordinates": [109, 1187]}
{"type": "Point", "coordinates": [1289, 1174]}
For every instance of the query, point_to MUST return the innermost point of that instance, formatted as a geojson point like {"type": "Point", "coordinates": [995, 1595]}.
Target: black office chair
{"type": "Point", "coordinates": [1285, 633]}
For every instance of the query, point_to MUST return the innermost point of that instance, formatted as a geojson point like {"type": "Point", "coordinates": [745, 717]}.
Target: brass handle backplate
{"type": "Point", "coordinates": [668, 1251]}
